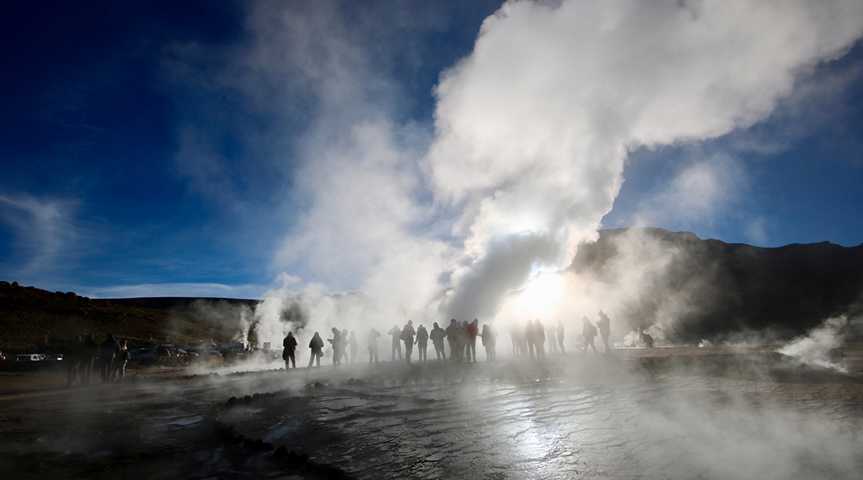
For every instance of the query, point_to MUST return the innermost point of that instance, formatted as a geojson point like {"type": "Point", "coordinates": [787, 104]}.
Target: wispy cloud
{"type": "Point", "coordinates": [43, 231]}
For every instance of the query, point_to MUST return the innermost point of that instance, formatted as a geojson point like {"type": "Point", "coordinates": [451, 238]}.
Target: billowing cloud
{"type": "Point", "coordinates": [532, 129]}
{"type": "Point", "coordinates": [531, 132]}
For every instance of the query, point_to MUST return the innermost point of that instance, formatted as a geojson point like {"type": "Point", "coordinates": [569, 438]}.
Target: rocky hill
{"type": "Point", "coordinates": [30, 316]}
{"type": "Point", "coordinates": [716, 289]}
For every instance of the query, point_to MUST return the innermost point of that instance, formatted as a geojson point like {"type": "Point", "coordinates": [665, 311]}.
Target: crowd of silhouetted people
{"type": "Point", "coordinates": [457, 342]}
{"type": "Point", "coordinates": [88, 359]}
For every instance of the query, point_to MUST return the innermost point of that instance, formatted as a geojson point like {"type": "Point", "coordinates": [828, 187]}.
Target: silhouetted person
{"type": "Point", "coordinates": [316, 345]}
{"type": "Point", "coordinates": [560, 335]}
{"type": "Point", "coordinates": [452, 337]}
{"type": "Point", "coordinates": [437, 335]}
{"type": "Point", "coordinates": [539, 338]}
{"type": "Point", "coordinates": [463, 341]}
{"type": "Point", "coordinates": [337, 342]}
{"type": "Point", "coordinates": [422, 343]}
{"type": "Point", "coordinates": [352, 342]}
{"type": "Point", "coordinates": [121, 360]}
{"type": "Point", "coordinates": [396, 334]}
{"type": "Point", "coordinates": [372, 345]}
{"type": "Point", "coordinates": [530, 337]}
{"type": "Point", "coordinates": [588, 331]}
{"type": "Point", "coordinates": [604, 325]}
{"type": "Point", "coordinates": [472, 331]}
{"type": "Point", "coordinates": [552, 342]}
{"type": "Point", "coordinates": [515, 338]}
{"type": "Point", "coordinates": [646, 339]}
{"type": "Point", "coordinates": [489, 341]}
{"type": "Point", "coordinates": [289, 352]}
{"type": "Point", "coordinates": [408, 334]}
{"type": "Point", "coordinates": [107, 352]}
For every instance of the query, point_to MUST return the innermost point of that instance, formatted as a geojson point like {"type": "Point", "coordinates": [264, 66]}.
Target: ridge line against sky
{"type": "Point", "coordinates": [159, 149]}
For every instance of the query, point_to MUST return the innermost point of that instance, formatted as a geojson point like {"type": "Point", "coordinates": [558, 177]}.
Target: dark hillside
{"type": "Point", "coordinates": [733, 288]}
{"type": "Point", "coordinates": [29, 316]}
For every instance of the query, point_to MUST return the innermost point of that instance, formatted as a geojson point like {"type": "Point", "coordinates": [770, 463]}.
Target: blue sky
{"type": "Point", "coordinates": [114, 113]}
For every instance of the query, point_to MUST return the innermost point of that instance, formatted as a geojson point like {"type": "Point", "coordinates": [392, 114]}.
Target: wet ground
{"type": "Point", "coordinates": [681, 413]}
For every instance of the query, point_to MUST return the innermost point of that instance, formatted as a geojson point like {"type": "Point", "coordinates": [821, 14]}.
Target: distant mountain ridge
{"type": "Point", "coordinates": [732, 288]}
{"type": "Point", "coordinates": [727, 289]}
{"type": "Point", "coordinates": [29, 314]}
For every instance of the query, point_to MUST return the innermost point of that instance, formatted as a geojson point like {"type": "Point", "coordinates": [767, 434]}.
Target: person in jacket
{"type": "Point", "coordinates": [488, 342]}
{"type": "Point", "coordinates": [453, 336]}
{"type": "Point", "coordinates": [407, 336]}
{"type": "Point", "coordinates": [372, 344]}
{"type": "Point", "coordinates": [437, 336]}
{"type": "Point", "coordinates": [290, 347]}
{"type": "Point", "coordinates": [316, 345]}
{"type": "Point", "coordinates": [396, 334]}
{"type": "Point", "coordinates": [588, 331]}
{"type": "Point", "coordinates": [422, 343]}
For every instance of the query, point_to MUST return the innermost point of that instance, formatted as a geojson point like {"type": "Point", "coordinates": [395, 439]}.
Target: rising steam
{"type": "Point", "coordinates": [816, 347]}
{"type": "Point", "coordinates": [531, 133]}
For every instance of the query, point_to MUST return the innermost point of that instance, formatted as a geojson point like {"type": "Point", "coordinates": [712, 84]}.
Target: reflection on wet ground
{"type": "Point", "coordinates": [566, 428]}
{"type": "Point", "coordinates": [570, 417]}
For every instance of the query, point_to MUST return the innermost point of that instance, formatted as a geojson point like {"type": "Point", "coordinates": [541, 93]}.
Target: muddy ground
{"type": "Point", "coordinates": [666, 413]}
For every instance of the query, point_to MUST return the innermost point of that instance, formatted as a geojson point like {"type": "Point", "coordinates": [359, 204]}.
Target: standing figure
{"type": "Point", "coordinates": [372, 342]}
{"type": "Point", "coordinates": [604, 324]}
{"type": "Point", "coordinates": [407, 336]}
{"type": "Point", "coordinates": [437, 335]}
{"type": "Point", "coordinates": [488, 342]}
{"type": "Point", "coordinates": [316, 345]}
{"type": "Point", "coordinates": [530, 337]}
{"type": "Point", "coordinates": [107, 352]}
{"type": "Point", "coordinates": [588, 331]}
{"type": "Point", "coordinates": [472, 333]}
{"type": "Point", "coordinates": [422, 342]}
{"type": "Point", "coordinates": [352, 342]}
{"type": "Point", "coordinates": [290, 347]}
{"type": "Point", "coordinates": [463, 341]}
{"type": "Point", "coordinates": [396, 334]}
{"type": "Point", "coordinates": [560, 335]}
{"type": "Point", "coordinates": [552, 342]}
{"type": "Point", "coordinates": [515, 336]}
{"type": "Point", "coordinates": [336, 342]}
{"type": "Point", "coordinates": [539, 338]}
{"type": "Point", "coordinates": [452, 337]}
{"type": "Point", "coordinates": [121, 361]}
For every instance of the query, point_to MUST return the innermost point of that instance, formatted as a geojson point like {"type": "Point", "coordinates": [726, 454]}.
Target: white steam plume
{"type": "Point", "coordinates": [531, 133]}
{"type": "Point", "coordinates": [534, 126]}
{"type": "Point", "coordinates": [815, 348]}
